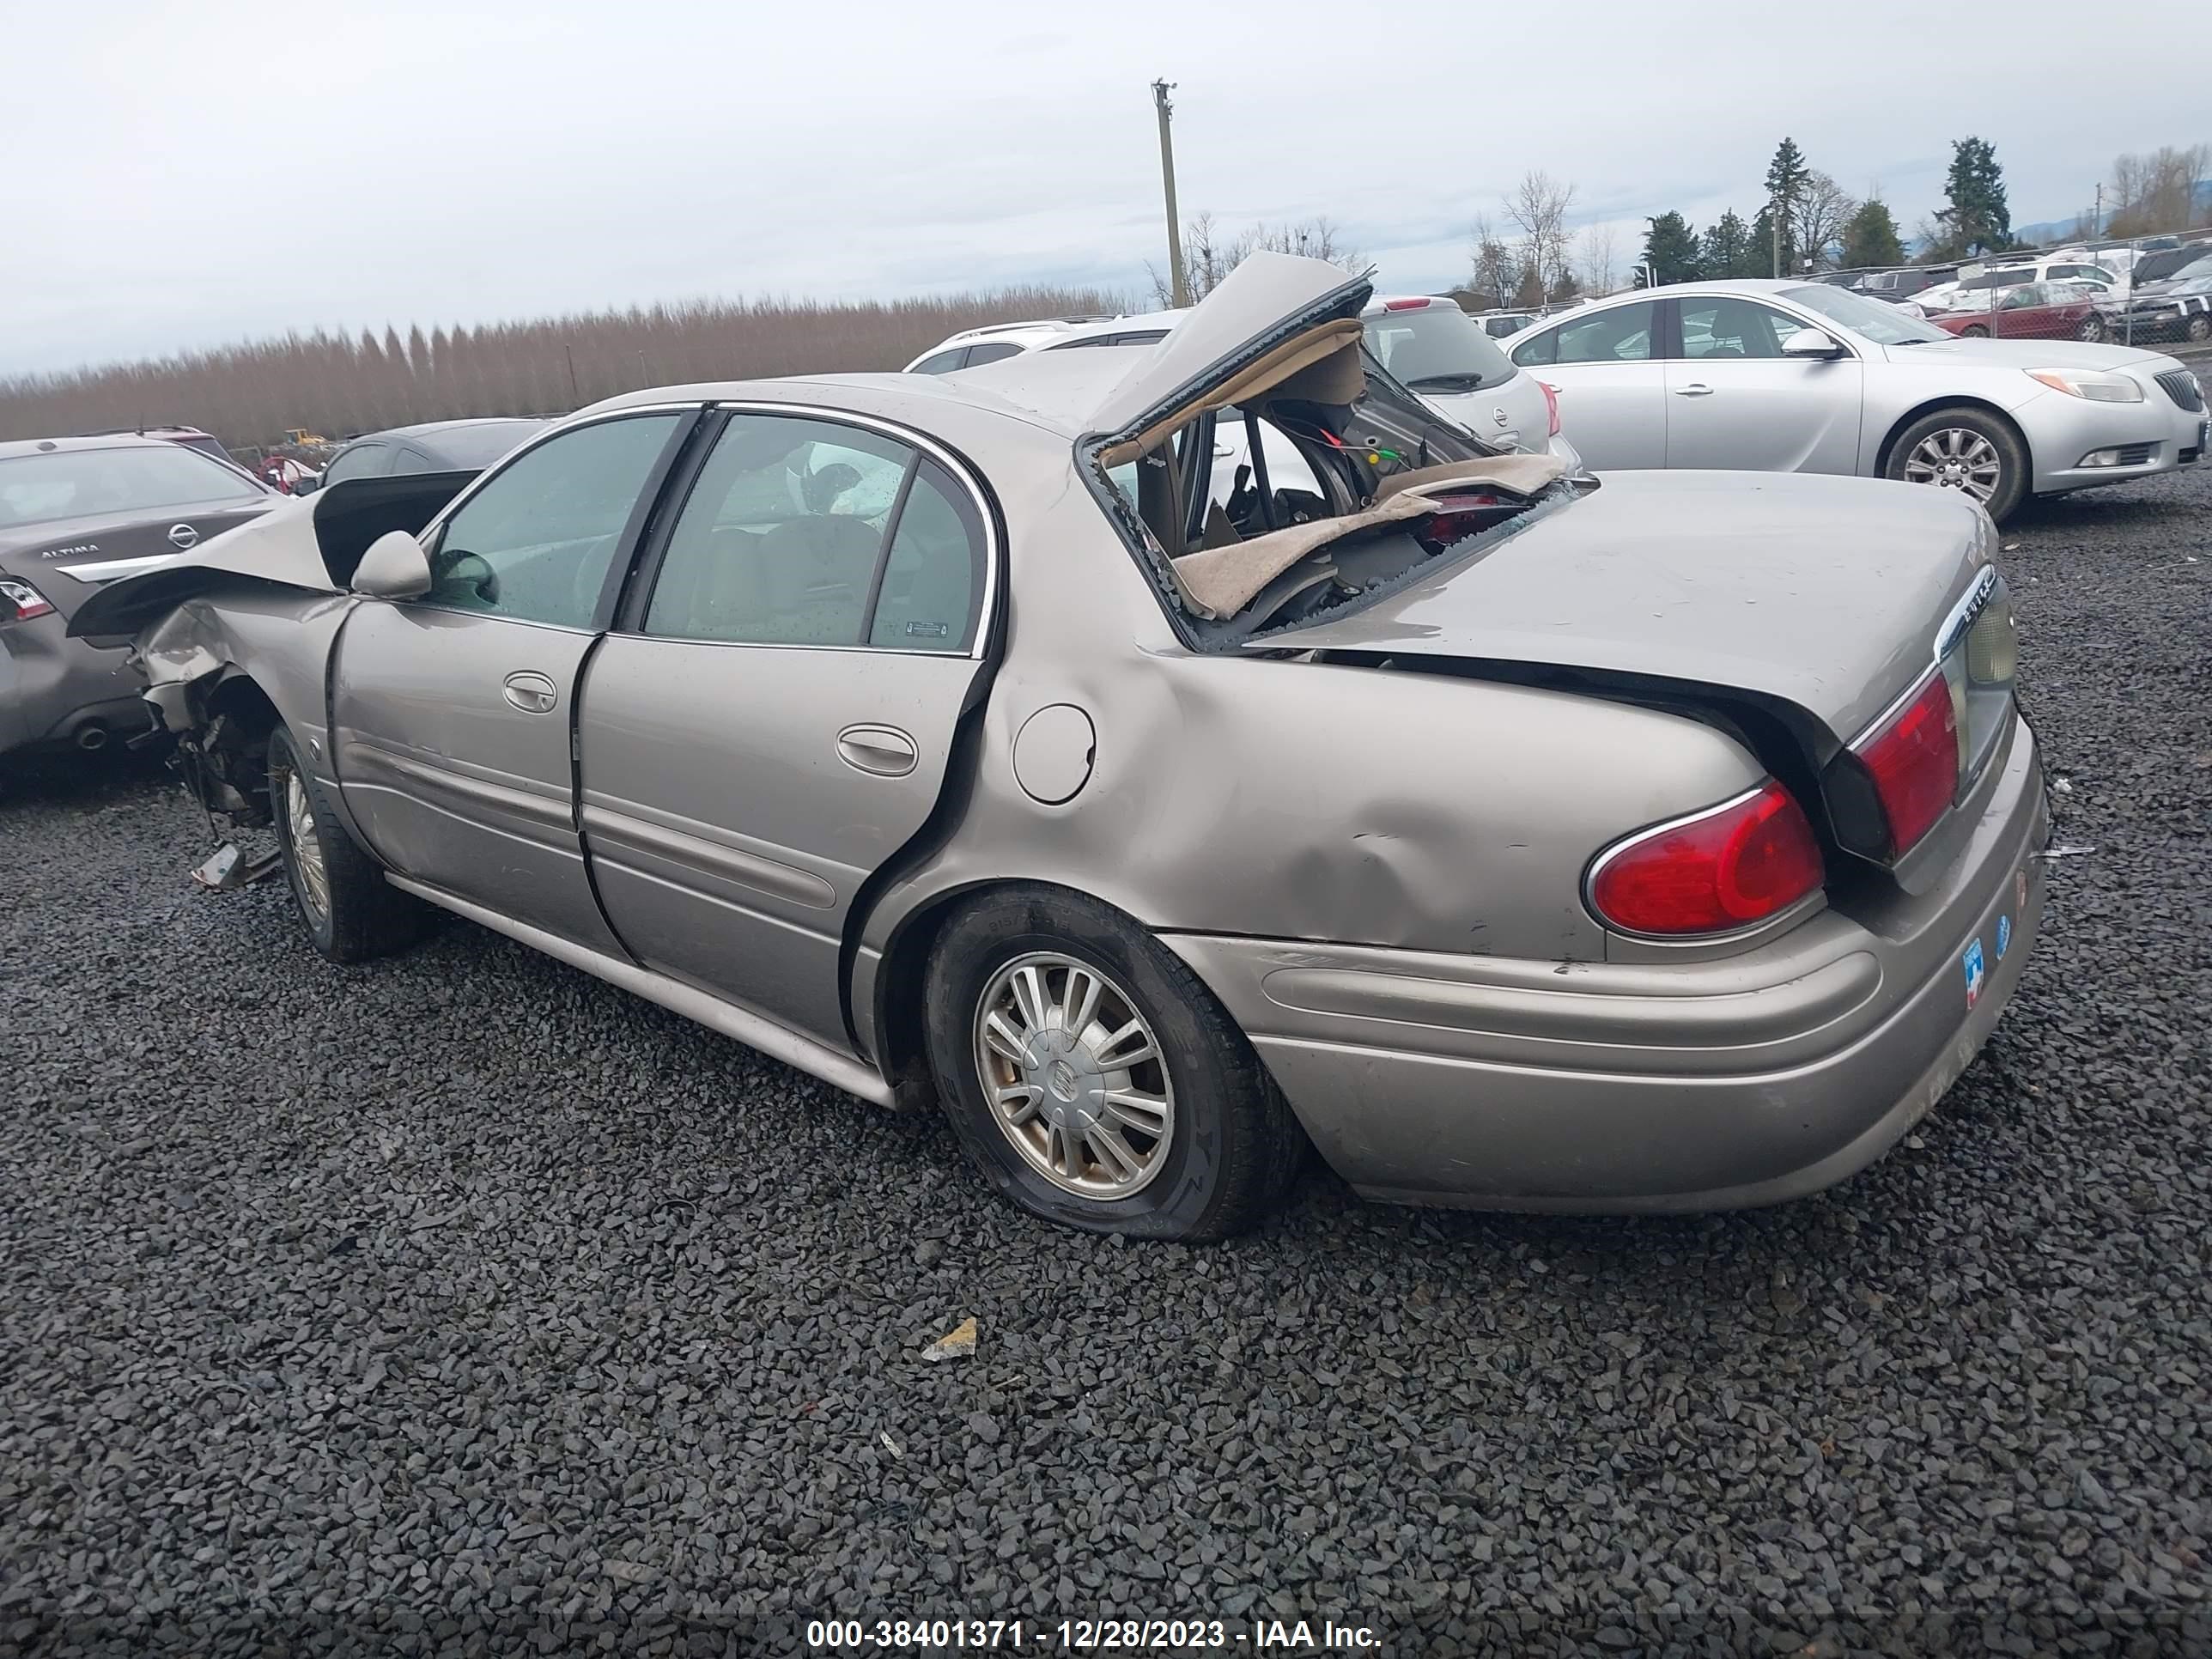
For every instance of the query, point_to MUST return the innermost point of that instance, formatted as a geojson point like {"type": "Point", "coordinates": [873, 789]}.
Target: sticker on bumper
{"type": "Point", "coordinates": [1974, 965]}
{"type": "Point", "coordinates": [2004, 935]}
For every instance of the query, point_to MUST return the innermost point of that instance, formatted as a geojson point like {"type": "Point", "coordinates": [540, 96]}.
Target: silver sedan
{"type": "Point", "coordinates": [1800, 377]}
{"type": "Point", "coordinates": [1518, 839]}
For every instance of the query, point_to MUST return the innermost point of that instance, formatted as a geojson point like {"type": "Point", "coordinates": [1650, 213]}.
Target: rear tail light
{"type": "Point", "coordinates": [1921, 756]}
{"type": "Point", "coordinates": [23, 601]}
{"type": "Point", "coordinates": [1714, 872]}
{"type": "Point", "coordinates": [1551, 405]}
{"type": "Point", "coordinates": [1403, 305]}
{"type": "Point", "coordinates": [1913, 758]}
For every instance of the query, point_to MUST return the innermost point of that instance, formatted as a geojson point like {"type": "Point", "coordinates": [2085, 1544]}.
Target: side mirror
{"type": "Point", "coordinates": [1812, 342]}
{"type": "Point", "coordinates": [307, 486]}
{"type": "Point", "coordinates": [394, 568]}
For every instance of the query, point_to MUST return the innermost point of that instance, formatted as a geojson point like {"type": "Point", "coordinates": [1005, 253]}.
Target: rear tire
{"type": "Point", "coordinates": [1970, 449]}
{"type": "Point", "coordinates": [2092, 330]}
{"type": "Point", "coordinates": [2199, 329]}
{"type": "Point", "coordinates": [352, 914]}
{"type": "Point", "coordinates": [1974, 332]}
{"type": "Point", "coordinates": [1091, 1008]}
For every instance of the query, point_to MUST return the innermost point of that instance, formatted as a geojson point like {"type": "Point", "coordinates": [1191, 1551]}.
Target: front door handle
{"type": "Point", "coordinates": [883, 749]}
{"type": "Point", "coordinates": [1695, 389]}
{"type": "Point", "coordinates": [531, 692]}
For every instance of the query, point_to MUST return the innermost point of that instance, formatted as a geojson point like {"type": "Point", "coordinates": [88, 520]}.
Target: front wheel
{"type": "Point", "coordinates": [1094, 1079]}
{"type": "Point", "coordinates": [2092, 330]}
{"type": "Point", "coordinates": [2199, 329]}
{"type": "Point", "coordinates": [1975, 331]}
{"type": "Point", "coordinates": [352, 914]}
{"type": "Point", "coordinates": [1964, 449]}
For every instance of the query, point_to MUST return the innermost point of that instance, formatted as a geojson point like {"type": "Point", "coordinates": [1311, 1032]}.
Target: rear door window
{"type": "Point", "coordinates": [1622, 334]}
{"type": "Point", "coordinates": [943, 362]}
{"type": "Point", "coordinates": [990, 351]}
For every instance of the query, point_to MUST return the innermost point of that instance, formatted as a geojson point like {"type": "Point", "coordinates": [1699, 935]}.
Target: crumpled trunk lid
{"type": "Point", "coordinates": [1822, 594]}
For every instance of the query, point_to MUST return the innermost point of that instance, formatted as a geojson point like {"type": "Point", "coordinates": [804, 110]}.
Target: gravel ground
{"type": "Point", "coordinates": [462, 1303]}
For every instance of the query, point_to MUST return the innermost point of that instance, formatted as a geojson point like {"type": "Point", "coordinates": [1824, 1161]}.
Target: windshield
{"type": "Point", "coordinates": [1870, 319]}
{"type": "Point", "coordinates": [1436, 347]}
{"type": "Point", "coordinates": [82, 484]}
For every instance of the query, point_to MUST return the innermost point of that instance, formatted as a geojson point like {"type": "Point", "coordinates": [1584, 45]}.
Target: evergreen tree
{"type": "Point", "coordinates": [1670, 252]}
{"type": "Point", "coordinates": [1871, 239]}
{"type": "Point", "coordinates": [1786, 177]}
{"type": "Point", "coordinates": [1725, 249]}
{"type": "Point", "coordinates": [1978, 219]}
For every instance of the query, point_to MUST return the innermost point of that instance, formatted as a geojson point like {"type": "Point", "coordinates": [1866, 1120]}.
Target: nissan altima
{"type": "Point", "coordinates": [1521, 839]}
{"type": "Point", "coordinates": [75, 513]}
{"type": "Point", "coordinates": [1802, 377]}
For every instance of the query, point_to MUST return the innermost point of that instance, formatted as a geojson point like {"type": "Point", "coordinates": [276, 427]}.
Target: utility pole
{"type": "Point", "coordinates": [2097, 219]}
{"type": "Point", "coordinates": [1181, 283]}
{"type": "Point", "coordinates": [1774, 223]}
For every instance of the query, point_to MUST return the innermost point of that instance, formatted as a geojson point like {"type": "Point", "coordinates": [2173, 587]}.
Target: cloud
{"type": "Point", "coordinates": [185, 172]}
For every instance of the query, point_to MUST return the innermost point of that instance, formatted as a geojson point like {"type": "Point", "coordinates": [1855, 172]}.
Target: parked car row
{"type": "Point", "coordinates": [1055, 738]}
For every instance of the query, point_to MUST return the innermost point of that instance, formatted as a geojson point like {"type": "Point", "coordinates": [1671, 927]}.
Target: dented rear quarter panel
{"type": "Point", "coordinates": [1240, 794]}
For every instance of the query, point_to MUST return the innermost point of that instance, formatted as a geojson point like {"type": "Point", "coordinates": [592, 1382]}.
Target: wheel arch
{"type": "Point", "coordinates": [898, 1038]}
{"type": "Point", "coordinates": [1930, 406]}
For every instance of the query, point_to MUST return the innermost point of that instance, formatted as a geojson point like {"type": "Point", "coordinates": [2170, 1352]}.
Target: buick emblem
{"type": "Point", "coordinates": [182, 536]}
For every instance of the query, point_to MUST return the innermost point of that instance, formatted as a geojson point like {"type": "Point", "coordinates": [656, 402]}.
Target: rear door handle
{"type": "Point", "coordinates": [1695, 389]}
{"type": "Point", "coordinates": [531, 692]}
{"type": "Point", "coordinates": [884, 751]}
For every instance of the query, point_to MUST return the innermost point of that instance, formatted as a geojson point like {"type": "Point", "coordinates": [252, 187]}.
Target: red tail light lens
{"type": "Point", "coordinates": [1725, 868]}
{"type": "Point", "coordinates": [22, 601]}
{"type": "Point", "coordinates": [1404, 305]}
{"type": "Point", "coordinates": [1913, 759]}
{"type": "Point", "coordinates": [1552, 405]}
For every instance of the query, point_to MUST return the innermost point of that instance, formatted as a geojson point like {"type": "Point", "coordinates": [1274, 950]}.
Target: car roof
{"type": "Point", "coordinates": [1056, 390]}
{"type": "Point", "coordinates": [432, 429]}
{"type": "Point", "coordinates": [96, 440]}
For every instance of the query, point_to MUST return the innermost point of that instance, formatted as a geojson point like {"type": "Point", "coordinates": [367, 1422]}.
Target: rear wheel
{"type": "Point", "coordinates": [2092, 329]}
{"type": "Point", "coordinates": [351, 912]}
{"type": "Point", "coordinates": [2200, 328]}
{"type": "Point", "coordinates": [1094, 1080]}
{"type": "Point", "coordinates": [1968, 450]}
{"type": "Point", "coordinates": [1975, 331]}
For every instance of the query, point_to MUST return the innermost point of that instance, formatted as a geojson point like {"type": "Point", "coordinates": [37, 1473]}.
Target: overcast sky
{"type": "Point", "coordinates": [181, 174]}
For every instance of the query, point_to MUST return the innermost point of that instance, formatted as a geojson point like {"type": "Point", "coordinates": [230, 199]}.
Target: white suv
{"type": "Point", "coordinates": [986, 345]}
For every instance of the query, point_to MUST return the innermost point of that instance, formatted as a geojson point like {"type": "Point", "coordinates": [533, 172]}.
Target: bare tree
{"type": "Point", "coordinates": [1209, 255]}
{"type": "Point", "coordinates": [1539, 206]}
{"type": "Point", "coordinates": [1496, 274]}
{"type": "Point", "coordinates": [2157, 191]}
{"type": "Point", "coordinates": [1818, 212]}
{"type": "Point", "coordinates": [1600, 259]}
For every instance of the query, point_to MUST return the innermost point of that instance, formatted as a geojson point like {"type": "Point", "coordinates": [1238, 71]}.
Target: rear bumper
{"type": "Point", "coordinates": [1483, 1083]}
{"type": "Point", "coordinates": [53, 687]}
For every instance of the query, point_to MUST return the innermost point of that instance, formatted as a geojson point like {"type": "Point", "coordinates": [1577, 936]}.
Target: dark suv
{"type": "Point", "coordinates": [75, 513]}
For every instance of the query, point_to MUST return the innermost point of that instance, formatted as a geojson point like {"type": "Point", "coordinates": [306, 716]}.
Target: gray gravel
{"type": "Point", "coordinates": [461, 1303]}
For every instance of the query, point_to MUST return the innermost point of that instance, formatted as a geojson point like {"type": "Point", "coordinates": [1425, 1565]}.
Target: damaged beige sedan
{"type": "Point", "coordinates": [1161, 756]}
